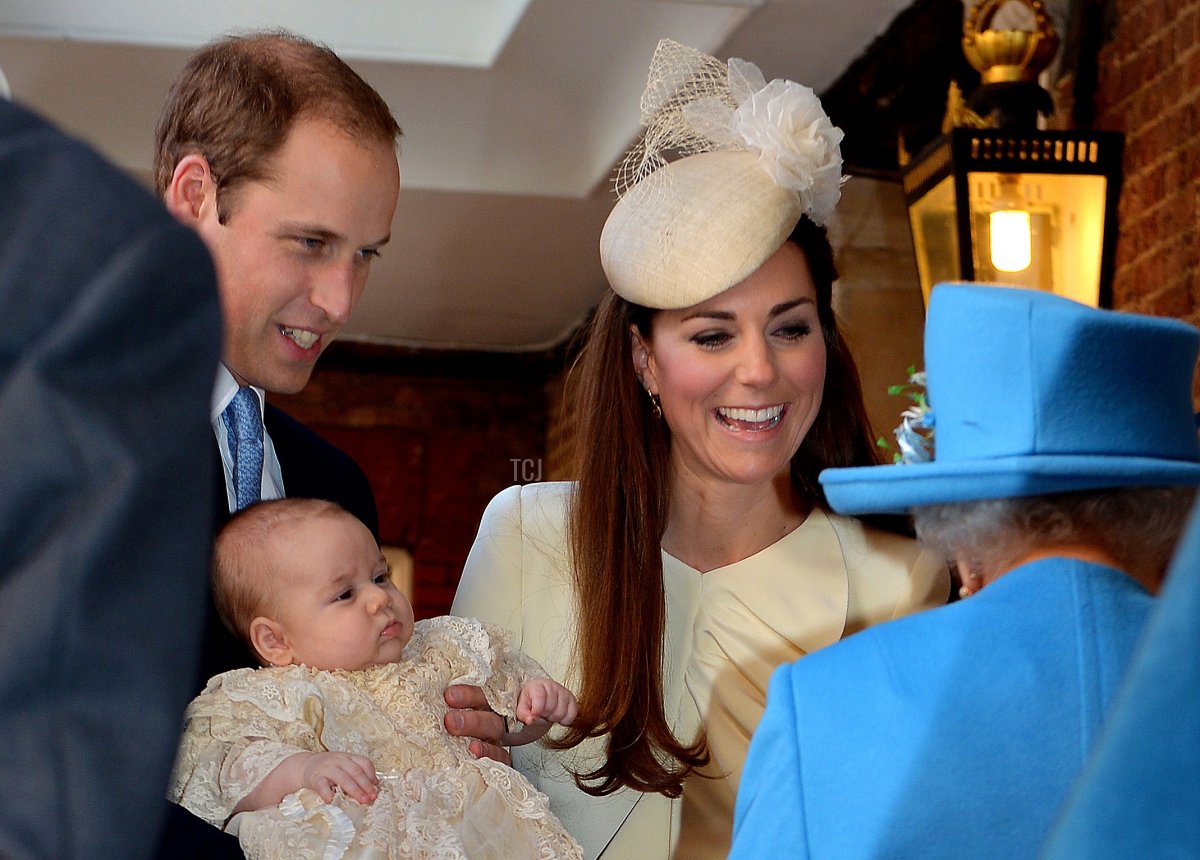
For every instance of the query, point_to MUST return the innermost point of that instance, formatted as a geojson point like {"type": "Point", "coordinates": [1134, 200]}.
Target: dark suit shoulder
{"type": "Point", "coordinates": [314, 467]}
{"type": "Point", "coordinates": [41, 166]}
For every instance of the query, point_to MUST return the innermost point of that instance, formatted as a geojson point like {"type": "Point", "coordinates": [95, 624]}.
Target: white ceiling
{"type": "Point", "coordinates": [514, 114]}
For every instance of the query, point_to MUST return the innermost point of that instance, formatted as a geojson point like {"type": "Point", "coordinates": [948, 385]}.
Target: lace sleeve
{"type": "Point", "coordinates": [236, 732]}
{"type": "Point", "coordinates": [510, 663]}
{"type": "Point", "coordinates": [511, 669]}
{"type": "Point", "coordinates": [481, 655]}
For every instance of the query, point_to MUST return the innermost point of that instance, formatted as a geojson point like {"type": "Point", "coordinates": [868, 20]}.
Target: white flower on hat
{"type": "Point", "coordinates": [797, 144]}
{"type": "Point", "coordinates": [784, 122]}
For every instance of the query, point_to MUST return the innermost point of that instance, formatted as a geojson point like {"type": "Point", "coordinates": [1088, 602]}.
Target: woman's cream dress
{"type": "Point", "coordinates": [727, 630]}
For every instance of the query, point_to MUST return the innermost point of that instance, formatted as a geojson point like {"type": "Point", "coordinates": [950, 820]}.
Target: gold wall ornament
{"type": "Point", "coordinates": [1006, 56]}
{"type": "Point", "coordinates": [958, 115]}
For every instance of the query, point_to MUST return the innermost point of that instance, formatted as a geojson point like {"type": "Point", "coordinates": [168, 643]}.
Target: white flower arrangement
{"type": "Point", "coordinates": [784, 122]}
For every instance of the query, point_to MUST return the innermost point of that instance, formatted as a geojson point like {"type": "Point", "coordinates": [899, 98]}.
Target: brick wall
{"type": "Point", "coordinates": [1149, 88]}
{"type": "Point", "coordinates": [437, 435]}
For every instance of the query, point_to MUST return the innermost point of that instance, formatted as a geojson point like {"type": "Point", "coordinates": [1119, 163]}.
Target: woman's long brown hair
{"type": "Point", "coordinates": [617, 518]}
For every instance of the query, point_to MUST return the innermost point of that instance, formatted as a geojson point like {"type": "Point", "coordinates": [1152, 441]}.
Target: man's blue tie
{"type": "Point", "coordinates": [243, 426]}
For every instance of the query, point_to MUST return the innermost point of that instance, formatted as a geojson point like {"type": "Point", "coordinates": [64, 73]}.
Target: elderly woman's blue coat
{"type": "Point", "coordinates": [953, 733]}
{"type": "Point", "coordinates": [1140, 793]}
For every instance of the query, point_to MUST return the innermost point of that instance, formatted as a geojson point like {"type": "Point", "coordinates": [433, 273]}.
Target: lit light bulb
{"type": "Point", "coordinates": [1012, 240]}
{"type": "Point", "coordinates": [1008, 226]}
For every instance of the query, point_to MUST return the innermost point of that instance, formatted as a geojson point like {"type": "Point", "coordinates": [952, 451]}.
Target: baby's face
{"type": "Point", "coordinates": [337, 605]}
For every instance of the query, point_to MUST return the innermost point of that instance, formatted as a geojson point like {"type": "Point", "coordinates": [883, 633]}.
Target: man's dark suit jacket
{"type": "Point", "coordinates": [109, 342]}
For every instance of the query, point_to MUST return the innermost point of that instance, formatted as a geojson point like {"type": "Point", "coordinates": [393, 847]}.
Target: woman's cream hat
{"type": "Point", "coordinates": [752, 158]}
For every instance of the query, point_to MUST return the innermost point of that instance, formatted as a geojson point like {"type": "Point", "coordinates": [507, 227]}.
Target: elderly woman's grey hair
{"type": "Point", "coordinates": [1137, 526]}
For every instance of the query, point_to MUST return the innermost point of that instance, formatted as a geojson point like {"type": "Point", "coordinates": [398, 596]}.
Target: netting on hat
{"type": "Point", "coordinates": [678, 76]}
{"type": "Point", "coordinates": [695, 103]}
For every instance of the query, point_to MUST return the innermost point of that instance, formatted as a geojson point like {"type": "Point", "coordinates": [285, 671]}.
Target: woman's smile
{"type": "Point", "coordinates": [740, 377]}
{"type": "Point", "coordinates": [741, 419]}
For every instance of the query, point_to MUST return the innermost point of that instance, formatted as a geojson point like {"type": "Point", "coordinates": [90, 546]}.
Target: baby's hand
{"type": "Point", "coordinates": [353, 774]}
{"type": "Point", "coordinates": [547, 700]}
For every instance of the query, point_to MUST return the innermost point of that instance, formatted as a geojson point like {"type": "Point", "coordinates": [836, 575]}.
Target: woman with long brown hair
{"type": "Point", "coordinates": [694, 554]}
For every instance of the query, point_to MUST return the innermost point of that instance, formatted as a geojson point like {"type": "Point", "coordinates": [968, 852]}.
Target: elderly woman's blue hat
{"type": "Point", "coordinates": [1033, 394]}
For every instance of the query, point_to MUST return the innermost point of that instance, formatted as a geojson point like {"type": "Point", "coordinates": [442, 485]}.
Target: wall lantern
{"type": "Point", "coordinates": [996, 199]}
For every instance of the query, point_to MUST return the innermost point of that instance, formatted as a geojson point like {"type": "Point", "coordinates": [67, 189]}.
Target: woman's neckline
{"type": "Point", "coordinates": [794, 530]}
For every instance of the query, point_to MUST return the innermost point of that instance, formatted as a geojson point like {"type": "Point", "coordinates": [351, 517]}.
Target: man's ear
{"type": "Point", "coordinates": [191, 190]}
{"type": "Point", "coordinates": [643, 361]}
{"type": "Point", "coordinates": [269, 642]}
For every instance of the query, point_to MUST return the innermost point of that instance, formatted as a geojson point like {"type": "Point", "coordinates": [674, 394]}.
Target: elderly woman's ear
{"type": "Point", "coordinates": [968, 576]}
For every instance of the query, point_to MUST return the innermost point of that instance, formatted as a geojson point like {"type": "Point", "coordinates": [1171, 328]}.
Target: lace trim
{"type": "Point", "coordinates": [437, 801]}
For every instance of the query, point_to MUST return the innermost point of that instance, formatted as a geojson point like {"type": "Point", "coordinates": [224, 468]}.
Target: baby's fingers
{"type": "Point", "coordinates": [324, 786]}
{"type": "Point", "coordinates": [357, 788]}
{"type": "Point", "coordinates": [363, 767]}
{"type": "Point", "coordinates": [358, 781]}
{"type": "Point", "coordinates": [565, 711]}
{"type": "Point", "coordinates": [353, 774]}
{"type": "Point", "coordinates": [531, 704]}
{"type": "Point", "coordinates": [555, 703]}
{"type": "Point", "coordinates": [560, 706]}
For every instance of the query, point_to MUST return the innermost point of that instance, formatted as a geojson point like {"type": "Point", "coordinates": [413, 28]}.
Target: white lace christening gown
{"type": "Point", "coordinates": [435, 800]}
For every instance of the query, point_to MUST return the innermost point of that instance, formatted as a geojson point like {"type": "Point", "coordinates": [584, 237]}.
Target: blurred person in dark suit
{"type": "Point", "coordinates": [110, 341]}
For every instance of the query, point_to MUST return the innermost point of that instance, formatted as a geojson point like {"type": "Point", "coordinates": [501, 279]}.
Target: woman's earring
{"type": "Point", "coordinates": [966, 591]}
{"type": "Point", "coordinates": [655, 404]}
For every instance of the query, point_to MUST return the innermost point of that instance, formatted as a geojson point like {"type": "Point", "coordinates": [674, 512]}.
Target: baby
{"type": "Point", "coordinates": [336, 748]}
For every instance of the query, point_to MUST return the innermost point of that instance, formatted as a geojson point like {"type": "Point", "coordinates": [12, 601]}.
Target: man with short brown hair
{"type": "Point", "coordinates": [283, 159]}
